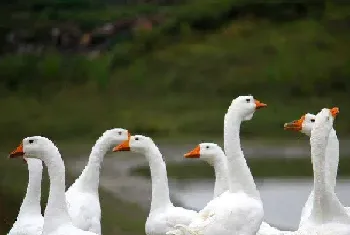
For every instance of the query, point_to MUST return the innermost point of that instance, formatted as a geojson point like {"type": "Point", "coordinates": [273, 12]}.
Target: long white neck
{"type": "Point", "coordinates": [332, 159]}
{"type": "Point", "coordinates": [318, 148]}
{"type": "Point", "coordinates": [90, 177]}
{"type": "Point", "coordinates": [31, 202]}
{"type": "Point", "coordinates": [326, 205]}
{"type": "Point", "coordinates": [56, 212]}
{"type": "Point", "coordinates": [160, 187]}
{"type": "Point", "coordinates": [237, 165]}
{"type": "Point", "coordinates": [221, 174]}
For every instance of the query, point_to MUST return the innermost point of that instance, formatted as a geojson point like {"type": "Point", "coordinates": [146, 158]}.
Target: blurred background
{"type": "Point", "coordinates": [70, 69]}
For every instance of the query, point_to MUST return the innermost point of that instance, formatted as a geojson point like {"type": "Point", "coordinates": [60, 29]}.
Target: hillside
{"type": "Point", "coordinates": [166, 86]}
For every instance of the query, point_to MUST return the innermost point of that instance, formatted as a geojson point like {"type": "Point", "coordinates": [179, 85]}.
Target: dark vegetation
{"type": "Point", "coordinates": [162, 81]}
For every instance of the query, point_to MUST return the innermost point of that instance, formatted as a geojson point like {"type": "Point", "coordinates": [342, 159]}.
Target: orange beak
{"type": "Point", "coordinates": [335, 111]}
{"type": "Point", "coordinates": [296, 125]}
{"type": "Point", "coordinates": [122, 147]}
{"type": "Point", "coordinates": [18, 152]}
{"type": "Point", "coordinates": [259, 105]}
{"type": "Point", "coordinates": [195, 153]}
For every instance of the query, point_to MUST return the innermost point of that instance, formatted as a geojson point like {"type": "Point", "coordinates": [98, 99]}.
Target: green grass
{"type": "Point", "coordinates": [182, 89]}
{"type": "Point", "coordinates": [185, 89]}
{"type": "Point", "coordinates": [260, 168]}
{"type": "Point", "coordinates": [84, 18]}
{"type": "Point", "coordinates": [73, 116]}
{"type": "Point", "coordinates": [118, 217]}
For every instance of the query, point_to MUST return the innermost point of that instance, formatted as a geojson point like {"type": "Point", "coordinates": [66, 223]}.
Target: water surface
{"type": "Point", "coordinates": [283, 198]}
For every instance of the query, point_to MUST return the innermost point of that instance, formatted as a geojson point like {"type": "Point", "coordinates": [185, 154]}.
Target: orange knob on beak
{"type": "Point", "coordinates": [335, 111]}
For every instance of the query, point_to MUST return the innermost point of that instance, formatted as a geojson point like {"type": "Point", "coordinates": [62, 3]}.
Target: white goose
{"type": "Point", "coordinates": [218, 160]}
{"type": "Point", "coordinates": [82, 196]}
{"type": "Point", "coordinates": [56, 218]}
{"type": "Point", "coordinates": [219, 163]}
{"type": "Point", "coordinates": [29, 220]}
{"type": "Point", "coordinates": [232, 147]}
{"type": "Point", "coordinates": [238, 211]}
{"type": "Point", "coordinates": [328, 216]}
{"type": "Point", "coordinates": [163, 215]}
{"type": "Point", "coordinates": [305, 125]}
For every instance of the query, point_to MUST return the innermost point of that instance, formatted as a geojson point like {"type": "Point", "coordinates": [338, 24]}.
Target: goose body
{"type": "Point", "coordinates": [304, 125]}
{"type": "Point", "coordinates": [82, 196]}
{"type": "Point", "coordinates": [238, 211]}
{"type": "Point", "coordinates": [56, 218]}
{"type": "Point", "coordinates": [219, 162]}
{"type": "Point", "coordinates": [163, 215]}
{"type": "Point", "coordinates": [327, 215]}
{"type": "Point", "coordinates": [30, 220]}
{"type": "Point", "coordinates": [85, 210]}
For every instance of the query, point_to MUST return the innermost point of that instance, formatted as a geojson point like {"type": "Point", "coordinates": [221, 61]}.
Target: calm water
{"type": "Point", "coordinates": [283, 199]}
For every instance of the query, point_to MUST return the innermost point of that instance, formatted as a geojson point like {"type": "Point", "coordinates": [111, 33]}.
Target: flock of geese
{"type": "Point", "coordinates": [236, 208]}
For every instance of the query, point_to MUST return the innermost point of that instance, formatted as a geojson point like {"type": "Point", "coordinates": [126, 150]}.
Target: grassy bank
{"type": "Point", "coordinates": [181, 87]}
{"type": "Point", "coordinates": [118, 217]}
{"type": "Point", "coordinates": [260, 168]}
{"type": "Point", "coordinates": [185, 89]}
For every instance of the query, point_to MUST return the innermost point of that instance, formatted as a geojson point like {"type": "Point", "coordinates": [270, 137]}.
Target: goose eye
{"type": "Point", "coordinates": [248, 100]}
{"type": "Point", "coordinates": [312, 120]}
{"type": "Point", "coordinates": [207, 147]}
{"type": "Point", "coordinates": [137, 138]}
{"type": "Point", "coordinates": [31, 141]}
{"type": "Point", "coordinates": [119, 132]}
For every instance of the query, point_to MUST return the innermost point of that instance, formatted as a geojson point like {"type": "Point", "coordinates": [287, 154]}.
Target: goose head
{"type": "Point", "coordinates": [115, 136]}
{"type": "Point", "coordinates": [304, 124]}
{"type": "Point", "coordinates": [245, 106]}
{"type": "Point", "coordinates": [208, 152]}
{"type": "Point", "coordinates": [34, 147]}
{"type": "Point", "coordinates": [136, 143]}
{"type": "Point", "coordinates": [324, 122]}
